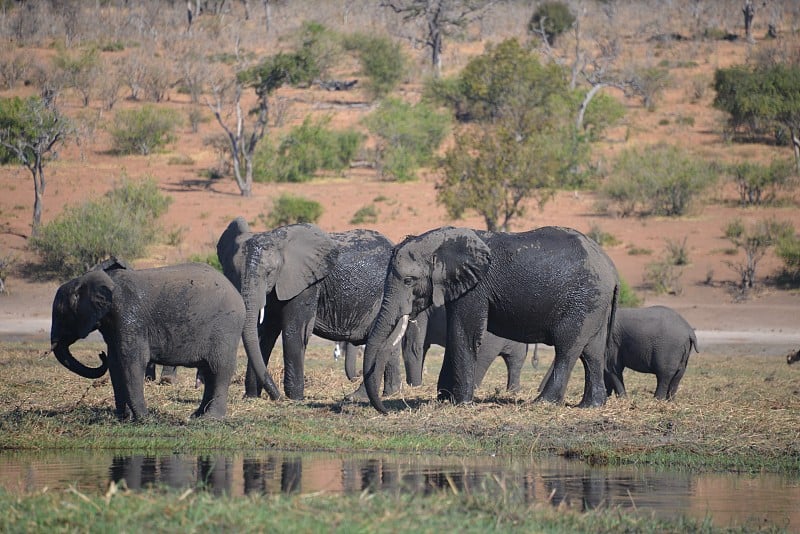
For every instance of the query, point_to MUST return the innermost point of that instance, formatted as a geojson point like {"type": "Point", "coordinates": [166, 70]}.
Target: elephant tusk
{"type": "Point", "coordinates": [402, 331]}
{"type": "Point", "coordinates": [261, 314]}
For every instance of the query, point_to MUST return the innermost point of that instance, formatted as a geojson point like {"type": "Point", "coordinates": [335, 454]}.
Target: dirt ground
{"type": "Point", "coordinates": [202, 208]}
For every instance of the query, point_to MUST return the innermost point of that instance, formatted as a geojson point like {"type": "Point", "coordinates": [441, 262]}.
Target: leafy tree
{"type": "Point", "coordinates": [755, 239]}
{"type": "Point", "coordinates": [143, 130]}
{"type": "Point", "coordinates": [408, 136]}
{"type": "Point", "coordinates": [79, 70]}
{"type": "Point", "coordinates": [526, 144]}
{"type": "Point", "coordinates": [760, 96]}
{"type": "Point", "coordinates": [381, 59]}
{"type": "Point", "coordinates": [30, 132]}
{"type": "Point", "coordinates": [551, 19]}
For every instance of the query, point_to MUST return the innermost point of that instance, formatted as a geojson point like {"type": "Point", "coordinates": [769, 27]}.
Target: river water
{"type": "Point", "coordinates": [729, 499]}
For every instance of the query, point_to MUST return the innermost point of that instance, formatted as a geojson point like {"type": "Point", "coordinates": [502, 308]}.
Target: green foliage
{"type": "Point", "coordinates": [318, 47]}
{"type": "Point", "coordinates": [553, 17]}
{"type": "Point", "coordinates": [650, 82]}
{"type": "Point", "coordinates": [663, 277]}
{"type": "Point", "coordinates": [754, 239]}
{"type": "Point", "coordinates": [602, 112]}
{"type": "Point", "coordinates": [604, 239]}
{"type": "Point", "coordinates": [365, 214]}
{"type": "Point", "coordinates": [658, 180]}
{"type": "Point", "coordinates": [26, 127]}
{"type": "Point", "coordinates": [759, 97]}
{"type": "Point", "coordinates": [381, 59]}
{"type": "Point", "coordinates": [627, 296]}
{"type": "Point", "coordinates": [122, 223]}
{"type": "Point", "coordinates": [143, 130]}
{"type": "Point", "coordinates": [304, 150]}
{"type": "Point", "coordinates": [78, 69]}
{"type": "Point", "coordinates": [758, 183]}
{"type": "Point", "coordinates": [677, 253]}
{"type": "Point", "coordinates": [211, 259]}
{"type": "Point", "coordinates": [290, 209]}
{"type": "Point", "coordinates": [408, 136]}
{"type": "Point", "coordinates": [506, 81]}
{"type": "Point", "coordinates": [787, 249]}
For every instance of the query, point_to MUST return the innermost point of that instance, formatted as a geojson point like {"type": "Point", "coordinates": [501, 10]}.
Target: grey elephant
{"type": "Point", "coordinates": [188, 315]}
{"type": "Point", "coordinates": [655, 340]}
{"type": "Point", "coordinates": [432, 327]}
{"type": "Point", "coordinates": [306, 281]}
{"type": "Point", "coordinates": [551, 285]}
{"type": "Point", "coordinates": [793, 357]}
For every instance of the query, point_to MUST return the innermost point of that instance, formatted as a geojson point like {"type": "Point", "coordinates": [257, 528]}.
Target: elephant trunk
{"type": "Point", "coordinates": [350, 362]}
{"type": "Point", "coordinates": [63, 354]}
{"type": "Point", "coordinates": [253, 350]}
{"type": "Point", "coordinates": [386, 333]}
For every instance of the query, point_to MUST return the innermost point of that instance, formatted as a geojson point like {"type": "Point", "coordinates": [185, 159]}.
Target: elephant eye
{"type": "Point", "coordinates": [409, 280]}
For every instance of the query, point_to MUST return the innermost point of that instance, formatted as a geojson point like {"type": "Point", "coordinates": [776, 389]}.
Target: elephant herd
{"type": "Point", "coordinates": [477, 293]}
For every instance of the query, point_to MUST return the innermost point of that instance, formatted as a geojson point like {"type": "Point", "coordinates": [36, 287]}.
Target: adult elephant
{"type": "Point", "coordinates": [188, 315]}
{"type": "Point", "coordinates": [431, 326]}
{"type": "Point", "coordinates": [306, 281]}
{"type": "Point", "coordinates": [655, 340]}
{"type": "Point", "coordinates": [551, 285]}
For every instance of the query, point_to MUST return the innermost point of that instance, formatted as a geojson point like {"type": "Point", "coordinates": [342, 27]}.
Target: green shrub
{"type": "Point", "coordinates": [554, 17]}
{"type": "Point", "coordinates": [604, 239]}
{"type": "Point", "coordinates": [381, 60]}
{"type": "Point", "coordinates": [656, 180]}
{"type": "Point", "coordinates": [788, 249]}
{"type": "Point", "coordinates": [305, 150]}
{"type": "Point", "coordinates": [627, 296]}
{"type": "Point", "coordinates": [408, 135]}
{"type": "Point", "coordinates": [211, 258]}
{"type": "Point", "coordinates": [756, 183]}
{"type": "Point", "coordinates": [290, 209]}
{"type": "Point", "coordinates": [365, 214]}
{"type": "Point", "coordinates": [122, 223]}
{"type": "Point", "coordinates": [143, 130]}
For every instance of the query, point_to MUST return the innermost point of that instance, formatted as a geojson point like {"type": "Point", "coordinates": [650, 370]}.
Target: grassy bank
{"type": "Point", "coordinates": [732, 413]}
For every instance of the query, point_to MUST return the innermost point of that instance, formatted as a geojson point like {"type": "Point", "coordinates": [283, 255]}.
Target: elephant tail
{"type": "Point", "coordinates": [693, 343]}
{"type": "Point", "coordinates": [612, 317]}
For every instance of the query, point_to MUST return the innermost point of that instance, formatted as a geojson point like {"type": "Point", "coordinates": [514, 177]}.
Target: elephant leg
{"type": "Point", "coordinates": [150, 372]}
{"type": "Point", "coordinates": [614, 382]}
{"type": "Point", "coordinates": [675, 381]}
{"type": "Point", "coordinates": [350, 360]}
{"type": "Point", "coordinates": [217, 377]}
{"type": "Point", "coordinates": [268, 334]}
{"type": "Point", "coordinates": [298, 317]}
{"type": "Point", "coordinates": [169, 373]}
{"type": "Point", "coordinates": [485, 359]}
{"type": "Point", "coordinates": [393, 375]}
{"type": "Point", "coordinates": [121, 409]}
{"type": "Point", "coordinates": [133, 369]}
{"type": "Point", "coordinates": [515, 360]}
{"type": "Point", "coordinates": [593, 358]}
{"type": "Point", "coordinates": [465, 326]}
{"type": "Point", "coordinates": [555, 382]}
{"type": "Point", "coordinates": [414, 348]}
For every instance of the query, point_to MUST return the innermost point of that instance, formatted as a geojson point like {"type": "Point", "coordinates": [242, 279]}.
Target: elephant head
{"type": "Point", "coordinates": [432, 269]}
{"type": "Point", "coordinates": [78, 308]}
{"type": "Point", "coordinates": [286, 260]}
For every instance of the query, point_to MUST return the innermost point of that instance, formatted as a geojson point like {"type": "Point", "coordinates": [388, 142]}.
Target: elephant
{"type": "Point", "coordinates": [655, 340]}
{"type": "Point", "coordinates": [306, 281]}
{"type": "Point", "coordinates": [432, 327]}
{"type": "Point", "coordinates": [793, 357]}
{"type": "Point", "coordinates": [550, 285]}
{"type": "Point", "coordinates": [188, 315]}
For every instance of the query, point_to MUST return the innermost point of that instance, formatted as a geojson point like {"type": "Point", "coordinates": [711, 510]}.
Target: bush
{"type": "Point", "coordinates": [758, 183]}
{"type": "Point", "coordinates": [381, 59]}
{"type": "Point", "coordinates": [211, 259]}
{"type": "Point", "coordinates": [658, 180]}
{"type": "Point", "coordinates": [627, 296]}
{"type": "Point", "coordinates": [143, 130]}
{"type": "Point", "coordinates": [122, 223]}
{"type": "Point", "coordinates": [290, 209]}
{"type": "Point", "coordinates": [788, 249]}
{"type": "Point", "coordinates": [554, 18]}
{"type": "Point", "coordinates": [365, 214]}
{"type": "Point", "coordinates": [409, 136]}
{"type": "Point", "coordinates": [306, 149]}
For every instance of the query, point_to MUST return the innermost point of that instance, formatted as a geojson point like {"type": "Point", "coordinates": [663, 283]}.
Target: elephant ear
{"type": "Point", "coordinates": [229, 247]}
{"type": "Point", "coordinates": [309, 254]}
{"type": "Point", "coordinates": [111, 264]}
{"type": "Point", "coordinates": [459, 263]}
{"type": "Point", "coordinates": [92, 300]}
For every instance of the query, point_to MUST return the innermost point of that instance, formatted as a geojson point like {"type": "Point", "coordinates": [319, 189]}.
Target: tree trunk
{"type": "Point", "coordinates": [749, 12]}
{"type": "Point", "coordinates": [38, 191]}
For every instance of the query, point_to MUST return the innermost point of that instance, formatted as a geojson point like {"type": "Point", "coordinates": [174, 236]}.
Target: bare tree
{"type": "Point", "coordinates": [749, 12]}
{"type": "Point", "coordinates": [440, 18]}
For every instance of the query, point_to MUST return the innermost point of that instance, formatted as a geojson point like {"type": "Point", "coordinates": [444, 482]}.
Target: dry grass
{"type": "Point", "coordinates": [731, 413]}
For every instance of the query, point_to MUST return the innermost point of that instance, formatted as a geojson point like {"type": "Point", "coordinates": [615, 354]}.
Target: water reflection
{"type": "Point", "coordinates": [729, 499]}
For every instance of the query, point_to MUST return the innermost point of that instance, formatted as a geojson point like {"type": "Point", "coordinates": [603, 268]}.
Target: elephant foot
{"type": "Point", "coordinates": [166, 381]}
{"type": "Point", "coordinates": [548, 398]}
{"type": "Point", "coordinates": [592, 403]}
{"type": "Point", "coordinates": [359, 395]}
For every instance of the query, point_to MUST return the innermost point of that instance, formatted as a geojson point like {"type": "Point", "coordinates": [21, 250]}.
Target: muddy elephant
{"type": "Point", "coordinates": [187, 315]}
{"type": "Point", "coordinates": [655, 340]}
{"type": "Point", "coordinates": [305, 281]}
{"type": "Point", "coordinates": [551, 285]}
{"type": "Point", "coordinates": [793, 357]}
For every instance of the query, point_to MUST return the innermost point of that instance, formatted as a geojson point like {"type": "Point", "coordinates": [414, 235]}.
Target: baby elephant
{"type": "Point", "coordinates": [188, 315]}
{"type": "Point", "coordinates": [654, 340]}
